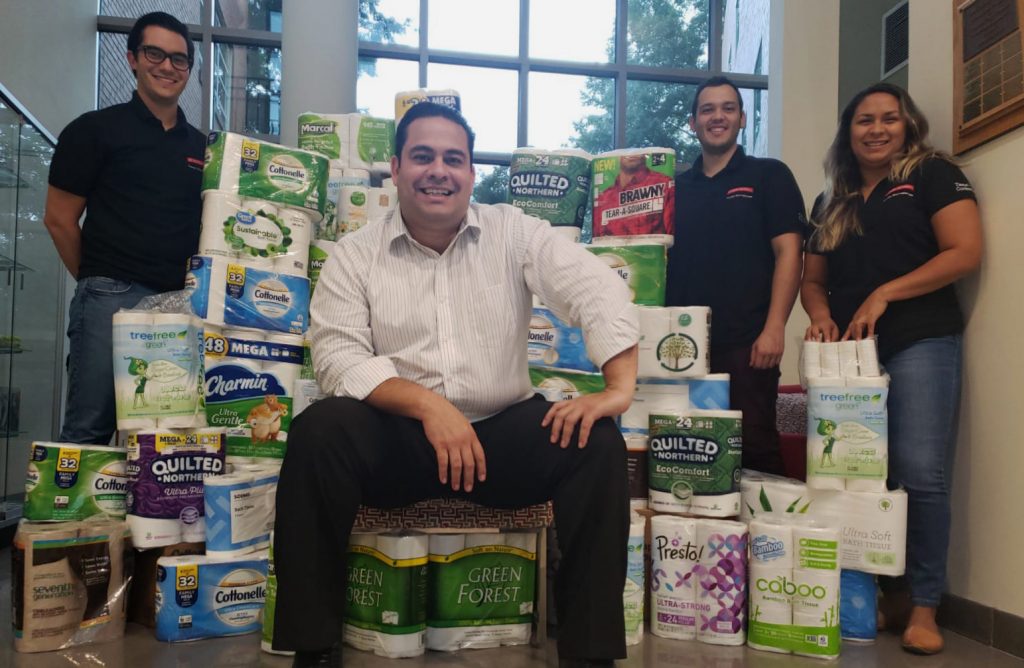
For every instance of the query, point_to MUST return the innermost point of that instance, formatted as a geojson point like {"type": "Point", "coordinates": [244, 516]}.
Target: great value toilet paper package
{"type": "Point", "coordinates": [564, 384]}
{"type": "Point", "coordinates": [356, 140]}
{"type": "Point", "coordinates": [552, 343]}
{"type": "Point", "coordinates": [847, 431]}
{"type": "Point", "coordinates": [551, 185]}
{"type": "Point", "coordinates": [67, 482]}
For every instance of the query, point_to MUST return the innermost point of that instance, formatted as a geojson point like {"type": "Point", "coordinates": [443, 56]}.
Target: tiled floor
{"type": "Point", "coordinates": [140, 649]}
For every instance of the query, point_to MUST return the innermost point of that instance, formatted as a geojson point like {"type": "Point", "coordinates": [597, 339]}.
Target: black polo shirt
{"type": "Point", "coordinates": [722, 255]}
{"type": "Point", "coordinates": [897, 237]}
{"type": "Point", "coordinates": [142, 186]}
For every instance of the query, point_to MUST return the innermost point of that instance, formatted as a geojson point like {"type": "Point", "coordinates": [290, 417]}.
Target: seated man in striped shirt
{"type": "Point", "coordinates": [419, 330]}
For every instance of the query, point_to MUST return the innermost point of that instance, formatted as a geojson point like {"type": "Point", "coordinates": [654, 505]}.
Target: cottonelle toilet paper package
{"type": "Point", "coordinates": [694, 464]}
{"type": "Point", "coordinates": [69, 583]}
{"type": "Point", "coordinates": [357, 140]}
{"type": "Point", "coordinates": [446, 97]}
{"type": "Point", "coordinates": [767, 493]}
{"type": "Point", "coordinates": [847, 432]}
{"type": "Point", "coordinates": [166, 470]}
{"type": "Point", "coordinates": [641, 265]}
{"type": "Point", "coordinates": [633, 593]}
{"type": "Point", "coordinates": [198, 597]}
{"type": "Point", "coordinates": [480, 590]}
{"type": "Point", "coordinates": [67, 482]}
{"type": "Point", "coordinates": [551, 185]}
{"type": "Point", "coordinates": [252, 168]}
{"type": "Point", "coordinates": [552, 343]}
{"type": "Point", "coordinates": [634, 192]}
{"type": "Point", "coordinates": [873, 527]}
{"type": "Point", "coordinates": [674, 342]}
{"type": "Point", "coordinates": [239, 511]}
{"type": "Point", "coordinates": [564, 384]}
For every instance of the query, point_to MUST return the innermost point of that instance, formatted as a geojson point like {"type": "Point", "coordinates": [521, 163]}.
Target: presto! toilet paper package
{"type": "Point", "coordinates": [66, 481]}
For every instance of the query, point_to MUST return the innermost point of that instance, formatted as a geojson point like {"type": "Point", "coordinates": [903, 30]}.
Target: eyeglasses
{"type": "Point", "coordinates": [156, 55]}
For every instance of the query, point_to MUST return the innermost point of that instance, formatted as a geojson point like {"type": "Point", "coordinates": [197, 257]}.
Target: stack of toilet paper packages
{"type": "Point", "coordinates": [564, 384]}
{"type": "Point", "coordinates": [767, 493]}
{"type": "Point", "coordinates": [240, 510]}
{"type": "Point", "coordinates": [352, 202]}
{"type": "Point", "coordinates": [873, 525]}
{"type": "Point", "coordinates": [674, 342]}
{"type": "Point", "coordinates": [795, 581]}
{"type": "Point", "coordinates": [358, 141]}
{"type": "Point", "coordinates": [663, 396]}
{"type": "Point", "coordinates": [633, 594]}
{"type": "Point", "coordinates": [694, 462]}
{"type": "Point", "coordinates": [307, 390]}
{"type": "Point", "coordinates": [633, 192]}
{"type": "Point", "coordinates": [250, 379]}
{"type": "Point", "coordinates": [848, 434]}
{"type": "Point", "coordinates": [68, 482]}
{"type": "Point", "coordinates": [201, 597]}
{"type": "Point", "coordinates": [552, 185]}
{"type": "Point", "coordinates": [386, 595]}
{"type": "Point", "coordinates": [858, 607]}
{"type": "Point", "coordinates": [166, 474]}
{"type": "Point", "coordinates": [158, 369]}
{"type": "Point", "coordinates": [69, 583]}
{"type": "Point", "coordinates": [406, 99]}
{"type": "Point", "coordinates": [698, 579]}
{"type": "Point", "coordinates": [638, 261]}
{"type": "Point", "coordinates": [270, 608]}
{"type": "Point", "coordinates": [553, 343]}
{"type": "Point", "coordinates": [835, 360]}
{"type": "Point", "coordinates": [480, 590]}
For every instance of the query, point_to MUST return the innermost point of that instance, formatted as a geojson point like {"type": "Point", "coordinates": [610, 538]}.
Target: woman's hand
{"type": "Point", "coordinates": [862, 325]}
{"type": "Point", "coordinates": [824, 329]}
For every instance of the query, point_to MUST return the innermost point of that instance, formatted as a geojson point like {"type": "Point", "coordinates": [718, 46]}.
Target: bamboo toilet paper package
{"type": "Point", "coordinates": [67, 482]}
{"type": "Point", "coordinates": [166, 471]}
{"type": "Point", "coordinates": [239, 511]}
{"type": "Point", "coordinates": [847, 432]}
{"type": "Point", "coordinates": [709, 392]}
{"type": "Point", "coordinates": [641, 265]}
{"type": "Point", "coordinates": [873, 525]}
{"type": "Point", "coordinates": [551, 185]}
{"type": "Point", "coordinates": [634, 192]}
{"type": "Point", "coordinates": [480, 590]}
{"type": "Point", "coordinates": [552, 343]}
{"type": "Point", "coordinates": [386, 594]}
{"type": "Point", "coordinates": [633, 594]}
{"type": "Point", "coordinates": [674, 341]}
{"type": "Point", "coordinates": [446, 97]}
{"type": "Point", "coordinates": [69, 584]}
{"type": "Point", "coordinates": [694, 464]}
{"type": "Point", "coordinates": [675, 552]}
{"type": "Point", "coordinates": [721, 574]}
{"type": "Point", "coordinates": [198, 597]}
{"type": "Point", "coordinates": [767, 493]}
{"type": "Point", "coordinates": [564, 384]}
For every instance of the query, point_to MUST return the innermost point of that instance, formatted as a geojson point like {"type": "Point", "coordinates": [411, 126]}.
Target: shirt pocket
{"type": "Point", "coordinates": [491, 317]}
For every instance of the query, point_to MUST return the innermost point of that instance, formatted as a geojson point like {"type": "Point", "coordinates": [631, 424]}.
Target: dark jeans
{"type": "Point", "coordinates": [343, 453]}
{"type": "Point", "coordinates": [753, 391]}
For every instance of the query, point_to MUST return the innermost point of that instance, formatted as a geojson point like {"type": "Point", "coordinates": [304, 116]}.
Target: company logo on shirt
{"type": "Point", "coordinates": [745, 192]}
{"type": "Point", "coordinates": [194, 163]}
{"type": "Point", "coordinates": [963, 187]}
{"type": "Point", "coordinates": [905, 190]}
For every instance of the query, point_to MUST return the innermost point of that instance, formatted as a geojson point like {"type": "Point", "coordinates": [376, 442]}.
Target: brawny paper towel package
{"type": "Point", "coordinates": [673, 395]}
{"type": "Point", "coordinates": [198, 597]}
{"type": "Point", "coordinates": [847, 432]}
{"type": "Point", "coordinates": [69, 584]}
{"type": "Point", "coordinates": [386, 595]}
{"type": "Point", "coordinates": [67, 482]}
{"type": "Point", "coordinates": [675, 552]}
{"type": "Point", "coordinates": [640, 264]}
{"type": "Point", "coordinates": [633, 594]}
{"type": "Point", "coordinates": [270, 608]}
{"type": "Point", "coordinates": [674, 342]}
{"type": "Point", "coordinates": [634, 192]}
{"type": "Point", "coordinates": [564, 384]}
{"type": "Point", "coordinates": [482, 595]}
{"type": "Point", "coordinates": [768, 493]}
{"type": "Point", "coordinates": [721, 575]}
{"type": "Point", "coordinates": [694, 464]}
{"type": "Point", "coordinates": [873, 526]}
{"type": "Point", "coordinates": [446, 97]}
{"type": "Point", "coordinates": [239, 511]}
{"type": "Point", "coordinates": [553, 343]}
{"type": "Point", "coordinates": [551, 185]}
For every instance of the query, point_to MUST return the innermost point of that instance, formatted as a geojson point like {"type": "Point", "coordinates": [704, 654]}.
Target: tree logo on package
{"type": "Point", "coordinates": [677, 352]}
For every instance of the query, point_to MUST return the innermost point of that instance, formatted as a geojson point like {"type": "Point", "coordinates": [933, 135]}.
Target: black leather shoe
{"type": "Point", "coordinates": [585, 663]}
{"type": "Point", "coordinates": [327, 658]}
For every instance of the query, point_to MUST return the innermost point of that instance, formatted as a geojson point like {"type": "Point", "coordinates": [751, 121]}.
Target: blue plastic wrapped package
{"type": "Point", "coordinates": [858, 606]}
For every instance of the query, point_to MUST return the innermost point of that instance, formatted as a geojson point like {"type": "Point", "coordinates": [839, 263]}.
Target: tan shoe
{"type": "Point", "coordinates": [922, 635]}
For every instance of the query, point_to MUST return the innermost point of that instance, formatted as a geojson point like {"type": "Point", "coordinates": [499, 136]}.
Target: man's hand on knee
{"type": "Point", "coordinates": [564, 416]}
{"type": "Point", "coordinates": [456, 446]}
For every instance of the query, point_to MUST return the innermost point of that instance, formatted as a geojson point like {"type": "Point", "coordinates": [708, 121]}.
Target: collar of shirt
{"type": "Point", "coordinates": [143, 112]}
{"type": "Point", "coordinates": [397, 229]}
{"type": "Point", "coordinates": [697, 171]}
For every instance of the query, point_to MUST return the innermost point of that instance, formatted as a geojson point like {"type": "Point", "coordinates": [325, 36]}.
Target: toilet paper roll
{"type": "Point", "coordinates": [148, 532]}
{"type": "Point", "coordinates": [524, 540]}
{"type": "Point", "coordinates": [196, 421]}
{"type": "Point", "coordinates": [865, 485]}
{"type": "Point", "coordinates": [762, 616]}
{"type": "Point", "coordinates": [810, 360]}
{"type": "Point", "coordinates": [827, 381]}
{"type": "Point", "coordinates": [219, 210]}
{"type": "Point", "coordinates": [770, 586]}
{"type": "Point", "coordinates": [771, 543]}
{"type": "Point", "coordinates": [364, 539]}
{"type": "Point", "coordinates": [867, 356]}
{"type": "Point", "coordinates": [140, 319]}
{"type": "Point", "coordinates": [848, 358]}
{"type": "Point", "coordinates": [379, 202]}
{"type": "Point", "coordinates": [830, 360]}
{"type": "Point", "coordinates": [295, 260]}
{"type": "Point", "coordinates": [815, 592]}
{"type": "Point", "coordinates": [352, 208]}
{"type": "Point", "coordinates": [633, 593]}
{"type": "Point", "coordinates": [674, 341]}
{"type": "Point", "coordinates": [483, 539]}
{"type": "Point", "coordinates": [869, 381]}
{"type": "Point", "coordinates": [723, 540]}
{"type": "Point", "coordinates": [239, 511]}
{"type": "Point", "coordinates": [403, 545]}
{"type": "Point", "coordinates": [825, 482]}
{"type": "Point", "coordinates": [236, 462]}
{"type": "Point", "coordinates": [124, 317]}
{"type": "Point", "coordinates": [352, 176]}
{"type": "Point", "coordinates": [194, 532]}
{"type": "Point", "coordinates": [570, 233]}
{"type": "Point", "coordinates": [675, 552]}
{"type": "Point", "coordinates": [817, 547]}
{"type": "Point", "coordinates": [764, 493]}
{"type": "Point", "coordinates": [826, 643]}
{"type": "Point", "coordinates": [447, 544]}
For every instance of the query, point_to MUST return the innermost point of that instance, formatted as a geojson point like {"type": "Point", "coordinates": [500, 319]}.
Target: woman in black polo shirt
{"type": "Point", "coordinates": [897, 224]}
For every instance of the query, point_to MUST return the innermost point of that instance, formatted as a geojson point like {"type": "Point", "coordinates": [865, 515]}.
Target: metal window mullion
{"type": "Point", "coordinates": [619, 113]}
{"type": "Point", "coordinates": [522, 130]}
{"type": "Point", "coordinates": [715, 13]}
{"type": "Point", "coordinates": [424, 57]}
{"type": "Point", "coordinates": [207, 67]}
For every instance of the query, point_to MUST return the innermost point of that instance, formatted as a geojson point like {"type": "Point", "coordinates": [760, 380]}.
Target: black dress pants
{"type": "Point", "coordinates": [755, 392]}
{"type": "Point", "coordinates": [343, 453]}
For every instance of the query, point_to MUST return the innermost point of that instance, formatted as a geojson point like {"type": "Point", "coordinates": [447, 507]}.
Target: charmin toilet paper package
{"type": "Point", "coordinates": [69, 584]}
{"type": "Point", "coordinates": [694, 464]}
{"type": "Point", "coordinates": [873, 527]}
{"type": "Point", "coordinates": [641, 265]}
{"type": "Point", "coordinates": [847, 432]}
{"type": "Point", "coordinates": [634, 192]}
{"type": "Point", "coordinates": [157, 365]}
{"type": "Point", "coordinates": [166, 470]}
{"type": "Point", "coordinates": [709, 392]}
{"type": "Point", "coordinates": [357, 140]}
{"type": "Point", "coordinates": [633, 594]}
{"type": "Point", "coordinates": [67, 482]}
{"type": "Point", "coordinates": [252, 168]}
{"type": "Point", "coordinates": [766, 493]}
{"type": "Point", "coordinates": [674, 341]}
{"type": "Point", "coordinates": [675, 552]}
{"type": "Point", "coordinates": [251, 230]}
{"type": "Point", "coordinates": [250, 379]}
{"type": "Point", "coordinates": [239, 511]}
{"type": "Point", "coordinates": [721, 575]}
{"type": "Point", "coordinates": [198, 597]}
{"type": "Point", "coordinates": [386, 595]}
{"type": "Point", "coordinates": [564, 384]}
{"type": "Point", "coordinates": [552, 343]}
{"type": "Point", "coordinates": [445, 97]}
{"type": "Point", "coordinates": [551, 185]}
{"type": "Point", "coordinates": [236, 294]}
{"type": "Point", "coordinates": [480, 590]}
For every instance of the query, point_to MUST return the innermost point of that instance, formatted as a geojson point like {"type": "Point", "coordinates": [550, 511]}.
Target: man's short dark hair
{"type": "Point", "coordinates": [714, 82]}
{"type": "Point", "coordinates": [428, 110]}
{"type": "Point", "coordinates": [160, 20]}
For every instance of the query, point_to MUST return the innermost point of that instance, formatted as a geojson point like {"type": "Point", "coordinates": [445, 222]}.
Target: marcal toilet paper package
{"type": "Point", "coordinates": [166, 470]}
{"type": "Point", "coordinates": [319, 251]}
{"type": "Point", "coordinates": [767, 493]}
{"type": "Point", "coordinates": [847, 432]}
{"type": "Point", "coordinates": [694, 462]}
{"type": "Point", "coordinates": [198, 597]}
{"type": "Point", "coordinates": [74, 482]}
{"type": "Point", "coordinates": [564, 384]}
{"type": "Point", "coordinates": [633, 594]}
{"type": "Point", "coordinates": [406, 99]}
{"type": "Point", "coordinates": [480, 590]}
{"type": "Point", "coordinates": [551, 185]}
{"type": "Point", "coordinates": [233, 294]}
{"type": "Point", "coordinates": [157, 369]}
{"type": "Point", "coordinates": [654, 395]}
{"type": "Point", "coordinates": [640, 264]}
{"type": "Point", "coordinates": [357, 140]}
{"type": "Point", "coordinates": [254, 232]}
{"type": "Point", "coordinates": [69, 584]}
{"type": "Point", "coordinates": [250, 378]}
{"type": "Point", "coordinates": [552, 343]}
{"type": "Point", "coordinates": [634, 192]}
{"type": "Point", "coordinates": [873, 526]}
{"type": "Point", "coordinates": [674, 341]}
{"type": "Point", "coordinates": [240, 511]}
{"type": "Point", "coordinates": [252, 168]}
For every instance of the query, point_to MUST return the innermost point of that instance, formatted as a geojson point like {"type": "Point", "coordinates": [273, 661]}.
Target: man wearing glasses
{"type": "Point", "coordinates": [135, 169]}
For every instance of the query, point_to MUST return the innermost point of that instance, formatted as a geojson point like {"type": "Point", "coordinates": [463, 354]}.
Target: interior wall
{"type": "Point", "coordinates": [860, 47]}
{"type": "Point", "coordinates": [987, 494]}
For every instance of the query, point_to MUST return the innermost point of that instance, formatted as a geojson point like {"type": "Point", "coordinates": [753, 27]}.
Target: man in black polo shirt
{"type": "Point", "coordinates": [136, 170]}
{"type": "Point", "coordinates": [739, 226]}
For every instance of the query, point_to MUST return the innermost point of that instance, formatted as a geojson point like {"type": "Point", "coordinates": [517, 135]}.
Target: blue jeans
{"type": "Point", "coordinates": [924, 403]}
{"type": "Point", "coordinates": [89, 414]}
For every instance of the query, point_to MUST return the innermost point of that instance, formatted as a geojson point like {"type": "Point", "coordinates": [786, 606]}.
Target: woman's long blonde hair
{"type": "Point", "coordinates": [837, 219]}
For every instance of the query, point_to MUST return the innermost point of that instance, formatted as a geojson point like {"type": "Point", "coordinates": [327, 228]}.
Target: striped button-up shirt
{"type": "Point", "coordinates": [456, 322]}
